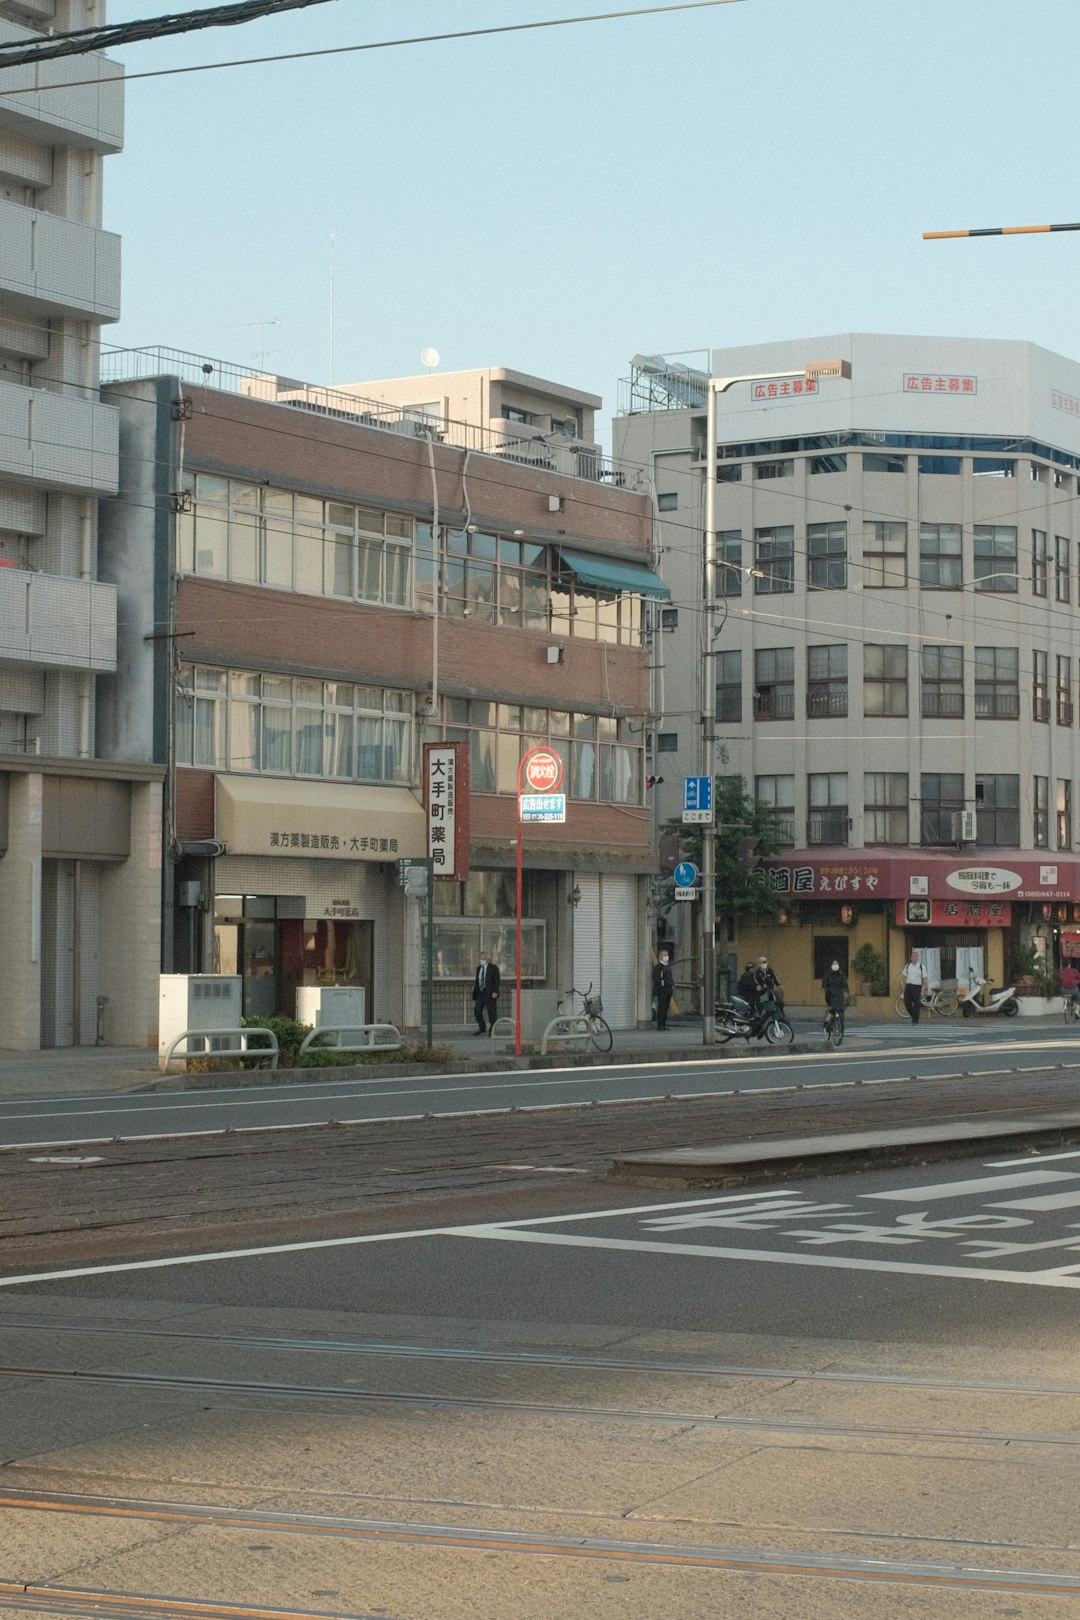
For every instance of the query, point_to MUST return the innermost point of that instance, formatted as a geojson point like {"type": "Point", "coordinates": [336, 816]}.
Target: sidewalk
{"type": "Point", "coordinates": [79, 1071]}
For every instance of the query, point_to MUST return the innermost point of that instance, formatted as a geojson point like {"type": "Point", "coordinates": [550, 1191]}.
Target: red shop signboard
{"type": "Point", "coordinates": [953, 913]}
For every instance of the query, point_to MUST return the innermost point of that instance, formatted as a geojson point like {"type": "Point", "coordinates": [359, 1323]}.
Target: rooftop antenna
{"type": "Point", "coordinates": [262, 352]}
{"type": "Point", "coordinates": [429, 357]}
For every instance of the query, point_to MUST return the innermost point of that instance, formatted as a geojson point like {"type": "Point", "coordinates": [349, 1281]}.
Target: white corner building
{"type": "Point", "coordinates": [893, 636]}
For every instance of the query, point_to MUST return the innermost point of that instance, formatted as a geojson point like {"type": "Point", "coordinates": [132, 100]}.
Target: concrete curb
{"type": "Point", "coordinates": [735, 1163]}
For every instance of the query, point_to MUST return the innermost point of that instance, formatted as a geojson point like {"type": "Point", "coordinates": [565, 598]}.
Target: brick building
{"type": "Point", "coordinates": [311, 585]}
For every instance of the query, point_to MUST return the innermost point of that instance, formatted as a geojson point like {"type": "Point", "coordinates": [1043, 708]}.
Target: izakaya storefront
{"type": "Point", "coordinates": [965, 916]}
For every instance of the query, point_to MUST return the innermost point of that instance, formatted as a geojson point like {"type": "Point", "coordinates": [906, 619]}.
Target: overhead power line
{"type": "Point", "coordinates": [375, 45]}
{"type": "Point", "coordinates": [81, 40]}
{"type": "Point", "coordinates": [998, 230]}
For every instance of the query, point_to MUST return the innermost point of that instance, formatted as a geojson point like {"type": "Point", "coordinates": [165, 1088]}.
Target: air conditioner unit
{"type": "Point", "coordinates": [964, 826]}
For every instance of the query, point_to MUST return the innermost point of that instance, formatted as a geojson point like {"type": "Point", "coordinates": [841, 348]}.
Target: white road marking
{"type": "Point", "coordinates": [1062, 1200]}
{"type": "Point", "coordinates": [508, 1234]}
{"type": "Point", "coordinates": [1027, 1158]}
{"type": "Point", "coordinates": [982, 1184]}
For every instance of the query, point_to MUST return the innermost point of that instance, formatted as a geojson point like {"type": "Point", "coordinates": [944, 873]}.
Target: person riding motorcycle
{"type": "Point", "coordinates": [766, 983]}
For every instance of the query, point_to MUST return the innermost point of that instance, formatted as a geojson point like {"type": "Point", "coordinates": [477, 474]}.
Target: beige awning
{"type": "Point", "coordinates": [330, 821]}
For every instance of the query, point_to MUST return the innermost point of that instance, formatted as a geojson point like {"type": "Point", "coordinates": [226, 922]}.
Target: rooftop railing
{"type": "Point", "coordinates": [551, 452]}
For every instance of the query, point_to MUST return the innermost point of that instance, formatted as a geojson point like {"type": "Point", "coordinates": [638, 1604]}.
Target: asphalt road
{"type": "Point", "coordinates": [936, 1050]}
{"type": "Point", "coordinates": [841, 1398]}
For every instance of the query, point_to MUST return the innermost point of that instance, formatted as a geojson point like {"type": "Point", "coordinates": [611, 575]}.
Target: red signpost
{"type": "Point", "coordinates": [542, 770]}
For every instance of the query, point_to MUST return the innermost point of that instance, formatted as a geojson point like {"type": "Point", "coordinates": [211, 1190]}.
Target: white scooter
{"type": "Point", "coordinates": [1002, 1001]}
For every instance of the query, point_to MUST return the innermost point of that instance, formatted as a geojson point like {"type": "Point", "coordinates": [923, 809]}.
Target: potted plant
{"type": "Point", "coordinates": [1035, 983]}
{"type": "Point", "coordinates": [869, 964]}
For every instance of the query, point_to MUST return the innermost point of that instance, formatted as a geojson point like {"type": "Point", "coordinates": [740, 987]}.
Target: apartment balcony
{"type": "Point", "coordinates": [57, 267]}
{"type": "Point", "coordinates": [89, 114]}
{"type": "Point", "coordinates": [774, 703]}
{"type": "Point", "coordinates": [58, 440]}
{"type": "Point", "coordinates": [48, 621]}
{"type": "Point", "coordinates": [828, 827]}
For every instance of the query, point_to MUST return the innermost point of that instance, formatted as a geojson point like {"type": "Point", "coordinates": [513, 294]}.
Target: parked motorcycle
{"type": "Point", "coordinates": [1002, 1001]}
{"type": "Point", "coordinates": [764, 1022]}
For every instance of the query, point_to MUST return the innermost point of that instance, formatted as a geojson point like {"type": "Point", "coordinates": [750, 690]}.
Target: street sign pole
{"type": "Point", "coordinates": [430, 945]}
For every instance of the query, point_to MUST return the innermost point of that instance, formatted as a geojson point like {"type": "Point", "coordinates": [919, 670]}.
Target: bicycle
{"type": "Point", "coordinates": [600, 1036]}
{"type": "Point", "coordinates": [942, 1002]}
{"type": "Point", "coordinates": [834, 1026]}
{"type": "Point", "coordinates": [1071, 1010]}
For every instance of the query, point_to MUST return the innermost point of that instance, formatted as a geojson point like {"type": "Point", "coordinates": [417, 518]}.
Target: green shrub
{"type": "Point", "coordinates": [289, 1034]}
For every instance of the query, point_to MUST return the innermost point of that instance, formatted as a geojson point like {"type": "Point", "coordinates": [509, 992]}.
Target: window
{"type": "Point", "coordinates": [492, 579]}
{"type": "Point", "coordinates": [826, 551]}
{"type": "Point", "coordinates": [993, 467]}
{"type": "Point", "coordinates": [997, 683]}
{"type": "Point", "coordinates": [826, 682]}
{"type": "Point", "coordinates": [261, 535]}
{"type": "Point", "coordinates": [603, 757]}
{"type": "Point", "coordinates": [774, 683]}
{"type": "Point", "coordinates": [997, 810]}
{"type": "Point", "coordinates": [729, 472]}
{"type": "Point", "coordinates": [777, 793]}
{"type": "Point", "coordinates": [668, 502]}
{"type": "Point", "coordinates": [940, 559]}
{"type": "Point", "coordinates": [885, 680]}
{"type": "Point", "coordinates": [1040, 696]}
{"type": "Point", "coordinates": [943, 683]}
{"type": "Point", "coordinates": [774, 554]}
{"type": "Point", "coordinates": [729, 688]}
{"type": "Point", "coordinates": [334, 730]}
{"type": "Point", "coordinates": [828, 464]}
{"type": "Point", "coordinates": [667, 742]}
{"type": "Point", "coordinates": [1039, 475]}
{"type": "Point", "coordinates": [729, 563]}
{"type": "Point", "coordinates": [948, 466]}
{"type": "Point", "coordinates": [1040, 818]}
{"type": "Point", "coordinates": [942, 798]}
{"type": "Point", "coordinates": [828, 820]}
{"type": "Point", "coordinates": [885, 807]}
{"type": "Point", "coordinates": [1039, 562]}
{"type": "Point", "coordinates": [1061, 568]}
{"type": "Point", "coordinates": [994, 565]}
{"type": "Point", "coordinates": [872, 462]}
{"type": "Point", "coordinates": [774, 469]}
{"type": "Point", "coordinates": [1063, 804]}
{"type": "Point", "coordinates": [1063, 691]}
{"type": "Point", "coordinates": [884, 556]}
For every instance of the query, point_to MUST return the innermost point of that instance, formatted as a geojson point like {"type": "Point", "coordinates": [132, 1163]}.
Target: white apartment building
{"type": "Point", "coordinates": [79, 836]}
{"type": "Point", "coordinates": [893, 636]}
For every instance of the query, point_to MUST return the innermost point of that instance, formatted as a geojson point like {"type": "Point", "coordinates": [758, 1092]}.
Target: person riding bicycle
{"type": "Point", "coordinates": [1069, 980]}
{"type": "Point", "coordinates": [834, 987]}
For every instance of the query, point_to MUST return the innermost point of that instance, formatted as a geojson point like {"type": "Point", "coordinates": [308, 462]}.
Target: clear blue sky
{"type": "Point", "coordinates": [558, 201]}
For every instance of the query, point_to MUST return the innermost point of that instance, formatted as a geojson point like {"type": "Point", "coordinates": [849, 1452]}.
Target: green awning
{"type": "Point", "coordinates": [615, 576]}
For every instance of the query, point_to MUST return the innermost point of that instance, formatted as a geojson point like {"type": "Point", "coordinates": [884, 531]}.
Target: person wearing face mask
{"type": "Point", "coordinates": [834, 987]}
{"type": "Point", "coordinates": [663, 986]}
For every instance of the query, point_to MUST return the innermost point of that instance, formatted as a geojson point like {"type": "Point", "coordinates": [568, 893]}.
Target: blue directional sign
{"type": "Point", "coordinates": [685, 875]}
{"type": "Point", "coordinates": [697, 798]}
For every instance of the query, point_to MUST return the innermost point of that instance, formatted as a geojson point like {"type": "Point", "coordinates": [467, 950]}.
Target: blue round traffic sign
{"type": "Point", "coordinates": [686, 874]}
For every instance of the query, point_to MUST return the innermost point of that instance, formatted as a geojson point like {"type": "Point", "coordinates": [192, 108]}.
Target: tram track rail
{"type": "Point", "coordinates": [393, 1350]}
{"type": "Point", "coordinates": [490, 1539]}
{"type": "Point", "coordinates": [35, 1598]}
{"type": "Point", "coordinates": [577, 1412]}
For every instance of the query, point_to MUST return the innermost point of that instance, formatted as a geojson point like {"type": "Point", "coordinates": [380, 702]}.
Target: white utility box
{"type": "Point", "coordinates": [325, 1007]}
{"type": "Point", "coordinates": [197, 1001]}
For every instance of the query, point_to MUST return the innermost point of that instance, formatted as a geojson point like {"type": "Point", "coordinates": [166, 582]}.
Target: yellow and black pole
{"type": "Point", "coordinates": [998, 230]}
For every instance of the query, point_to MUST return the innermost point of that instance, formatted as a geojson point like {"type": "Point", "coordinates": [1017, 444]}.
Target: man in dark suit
{"type": "Point", "coordinates": [663, 986]}
{"type": "Point", "coordinates": [485, 993]}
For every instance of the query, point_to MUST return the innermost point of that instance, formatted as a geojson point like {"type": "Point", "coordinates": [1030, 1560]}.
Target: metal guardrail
{"type": "Point", "coordinates": [240, 1045]}
{"type": "Point", "coordinates": [373, 1038]}
{"type": "Point", "coordinates": [568, 1027]}
{"type": "Point", "coordinates": [504, 1029]}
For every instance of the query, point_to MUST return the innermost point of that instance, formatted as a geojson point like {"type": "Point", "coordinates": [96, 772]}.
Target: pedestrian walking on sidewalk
{"type": "Point", "coordinates": [663, 988]}
{"type": "Point", "coordinates": [485, 993]}
{"type": "Point", "coordinates": [914, 982]}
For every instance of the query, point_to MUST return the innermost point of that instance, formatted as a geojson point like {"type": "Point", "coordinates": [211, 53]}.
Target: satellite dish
{"type": "Point", "coordinates": [429, 357]}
